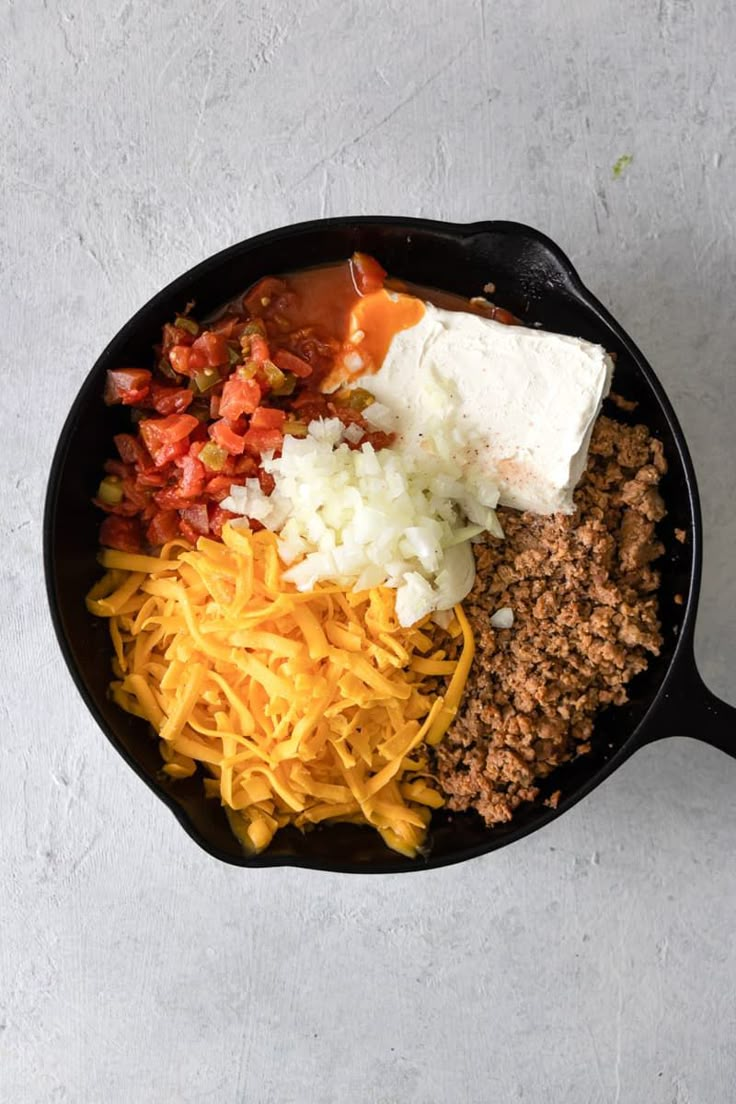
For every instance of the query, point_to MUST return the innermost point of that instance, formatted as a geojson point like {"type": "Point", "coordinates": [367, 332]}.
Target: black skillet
{"type": "Point", "coordinates": [533, 279]}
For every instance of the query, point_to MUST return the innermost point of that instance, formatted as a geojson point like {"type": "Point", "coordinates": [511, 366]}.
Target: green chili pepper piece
{"type": "Point", "coordinates": [110, 491]}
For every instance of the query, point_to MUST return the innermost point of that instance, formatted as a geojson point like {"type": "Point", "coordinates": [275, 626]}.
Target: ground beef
{"type": "Point", "coordinates": [621, 402]}
{"type": "Point", "coordinates": [584, 597]}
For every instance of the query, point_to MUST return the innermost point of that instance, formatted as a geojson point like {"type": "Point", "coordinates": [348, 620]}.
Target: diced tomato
{"type": "Point", "coordinates": [268, 417]}
{"type": "Point", "coordinates": [187, 361]}
{"type": "Point", "coordinates": [134, 492]}
{"type": "Point", "coordinates": [378, 439]}
{"type": "Point", "coordinates": [239, 396]}
{"type": "Point", "coordinates": [367, 273]}
{"type": "Point", "coordinates": [169, 452]}
{"type": "Point", "coordinates": [127, 385]}
{"type": "Point", "coordinates": [259, 351]}
{"type": "Point", "coordinates": [171, 498]}
{"type": "Point", "coordinates": [197, 517]}
{"type": "Point", "coordinates": [131, 450]}
{"type": "Point", "coordinates": [167, 438]}
{"type": "Point", "coordinates": [179, 357]}
{"type": "Point", "coordinates": [156, 477]}
{"type": "Point", "coordinates": [117, 467]}
{"type": "Point", "coordinates": [188, 531]}
{"type": "Point", "coordinates": [199, 434]}
{"type": "Point", "coordinates": [212, 347]}
{"type": "Point", "coordinates": [258, 441]}
{"type": "Point", "coordinates": [226, 325]}
{"type": "Point", "coordinates": [164, 527]}
{"type": "Point", "coordinates": [192, 478]}
{"type": "Point", "coordinates": [174, 335]}
{"type": "Point", "coordinates": [266, 481]}
{"type": "Point", "coordinates": [219, 487]}
{"type": "Point", "coordinates": [122, 509]}
{"type": "Point", "coordinates": [347, 415]}
{"type": "Point", "coordinates": [121, 533]}
{"type": "Point", "coordinates": [288, 362]}
{"type": "Point", "coordinates": [245, 465]}
{"type": "Point", "coordinates": [311, 406]}
{"type": "Point", "coordinates": [237, 425]}
{"type": "Point", "coordinates": [170, 400]}
{"type": "Point", "coordinates": [226, 438]}
{"type": "Point", "coordinates": [218, 517]}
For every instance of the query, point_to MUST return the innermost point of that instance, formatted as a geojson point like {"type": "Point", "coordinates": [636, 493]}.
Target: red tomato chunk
{"type": "Point", "coordinates": [198, 518]}
{"type": "Point", "coordinates": [164, 527]}
{"type": "Point", "coordinates": [127, 385]}
{"type": "Point", "coordinates": [166, 438]}
{"type": "Point", "coordinates": [192, 478]}
{"type": "Point", "coordinates": [121, 533]}
{"type": "Point", "coordinates": [258, 441]}
{"type": "Point", "coordinates": [212, 347]}
{"type": "Point", "coordinates": [226, 438]}
{"type": "Point", "coordinates": [287, 362]}
{"type": "Point", "coordinates": [268, 417]}
{"type": "Point", "coordinates": [170, 400]}
{"type": "Point", "coordinates": [239, 397]}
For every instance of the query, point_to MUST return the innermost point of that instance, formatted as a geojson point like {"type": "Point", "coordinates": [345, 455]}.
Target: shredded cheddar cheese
{"type": "Point", "coordinates": [303, 707]}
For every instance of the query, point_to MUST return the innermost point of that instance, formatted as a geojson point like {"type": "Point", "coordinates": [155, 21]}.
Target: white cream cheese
{"type": "Point", "coordinates": [523, 401]}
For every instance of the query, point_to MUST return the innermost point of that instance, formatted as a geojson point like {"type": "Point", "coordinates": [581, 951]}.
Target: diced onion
{"type": "Point", "coordinates": [503, 618]}
{"type": "Point", "coordinates": [353, 434]}
{"type": "Point", "coordinates": [365, 518]}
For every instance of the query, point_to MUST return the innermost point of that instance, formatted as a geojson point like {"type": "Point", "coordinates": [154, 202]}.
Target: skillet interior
{"type": "Point", "coordinates": [534, 281]}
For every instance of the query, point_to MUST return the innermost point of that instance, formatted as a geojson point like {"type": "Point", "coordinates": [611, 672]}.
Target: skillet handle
{"type": "Point", "coordinates": [691, 709]}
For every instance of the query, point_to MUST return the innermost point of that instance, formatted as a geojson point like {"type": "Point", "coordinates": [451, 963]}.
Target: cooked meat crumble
{"type": "Point", "coordinates": [584, 597]}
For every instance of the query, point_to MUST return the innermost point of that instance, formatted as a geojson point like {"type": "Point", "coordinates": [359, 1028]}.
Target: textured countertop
{"type": "Point", "coordinates": [593, 963]}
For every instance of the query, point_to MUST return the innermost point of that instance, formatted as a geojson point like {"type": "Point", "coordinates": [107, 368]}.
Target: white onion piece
{"type": "Point", "coordinates": [503, 618]}
{"type": "Point", "coordinates": [365, 518]}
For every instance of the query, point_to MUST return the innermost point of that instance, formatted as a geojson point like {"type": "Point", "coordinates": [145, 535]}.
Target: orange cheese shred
{"type": "Point", "coordinates": [303, 708]}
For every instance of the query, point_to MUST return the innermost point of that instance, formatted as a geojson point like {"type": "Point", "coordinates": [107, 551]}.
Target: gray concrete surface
{"type": "Point", "coordinates": [592, 964]}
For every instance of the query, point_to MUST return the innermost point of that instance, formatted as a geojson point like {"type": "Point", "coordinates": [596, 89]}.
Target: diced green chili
{"type": "Point", "coordinates": [213, 456]}
{"type": "Point", "coordinates": [294, 429]}
{"type": "Point", "coordinates": [110, 491]}
{"type": "Point", "coordinates": [164, 367]}
{"type": "Point", "coordinates": [183, 323]}
{"type": "Point", "coordinates": [233, 355]}
{"type": "Point", "coordinates": [206, 379]}
{"type": "Point", "coordinates": [357, 398]}
{"type": "Point", "coordinates": [287, 387]}
{"type": "Point", "coordinates": [274, 375]}
{"type": "Point", "coordinates": [255, 326]}
{"type": "Point", "coordinates": [200, 408]}
{"type": "Point", "coordinates": [247, 370]}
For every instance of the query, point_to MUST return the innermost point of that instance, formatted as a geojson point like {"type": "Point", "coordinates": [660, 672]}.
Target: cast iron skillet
{"type": "Point", "coordinates": [533, 279]}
